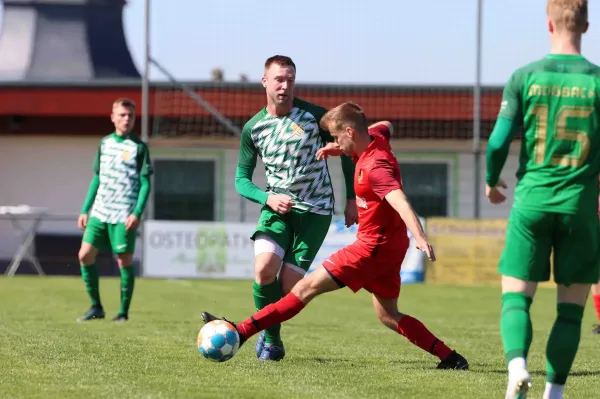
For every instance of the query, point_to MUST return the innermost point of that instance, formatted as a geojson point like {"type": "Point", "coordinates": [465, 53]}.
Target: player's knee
{"type": "Point", "coordinates": [86, 255]}
{"type": "Point", "coordinates": [266, 268]}
{"type": "Point", "coordinates": [124, 260]}
{"type": "Point", "coordinates": [575, 293]}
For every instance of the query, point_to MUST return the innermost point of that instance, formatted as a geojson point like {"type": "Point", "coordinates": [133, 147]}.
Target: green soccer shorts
{"type": "Point", "coordinates": [299, 234]}
{"type": "Point", "coordinates": [108, 236]}
{"type": "Point", "coordinates": [532, 237]}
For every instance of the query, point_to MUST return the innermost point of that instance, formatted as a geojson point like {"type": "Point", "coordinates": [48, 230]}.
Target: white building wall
{"type": "Point", "coordinates": [54, 173]}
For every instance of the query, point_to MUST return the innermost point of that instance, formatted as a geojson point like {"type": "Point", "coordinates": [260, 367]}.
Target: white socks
{"type": "Point", "coordinates": [516, 365]}
{"type": "Point", "coordinates": [553, 391]}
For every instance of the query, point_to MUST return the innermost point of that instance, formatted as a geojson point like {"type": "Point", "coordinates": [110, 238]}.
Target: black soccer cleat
{"type": "Point", "coordinates": [95, 312]}
{"type": "Point", "coordinates": [207, 318]}
{"type": "Point", "coordinates": [120, 318]}
{"type": "Point", "coordinates": [454, 361]}
{"type": "Point", "coordinates": [596, 329]}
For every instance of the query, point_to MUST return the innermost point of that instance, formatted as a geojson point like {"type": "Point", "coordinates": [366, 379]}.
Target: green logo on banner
{"type": "Point", "coordinates": [211, 254]}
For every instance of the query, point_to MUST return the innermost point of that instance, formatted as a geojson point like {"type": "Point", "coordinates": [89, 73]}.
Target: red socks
{"type": "Point", "coordinates": [597, 305]}
{"type": "Point", "coordinates": [419, 335]}
{"type": "Point", "coordinates": [278, 312]}
{"type": "Point", "coordinates": [289, 306]}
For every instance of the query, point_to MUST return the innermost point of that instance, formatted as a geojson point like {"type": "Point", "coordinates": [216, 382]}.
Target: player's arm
{"type": "Point", "coordinates": [507, 124]}
{"type": "Point", "coordinates": [245, 168]}
{"type": "Point", "coordinates": [145, 170]}
{"type": "Point", "coordinates": [385, 185]}
{"type": "Point", "coordinates": [93, 186]}
{"type": "Point", "coordinates": [385, 128]}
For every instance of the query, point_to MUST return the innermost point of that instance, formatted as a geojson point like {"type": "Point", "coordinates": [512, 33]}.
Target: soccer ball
{"type": "Point", "coordinates": [218, 341]}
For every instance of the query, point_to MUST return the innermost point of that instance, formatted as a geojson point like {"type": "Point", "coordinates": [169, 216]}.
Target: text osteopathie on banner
{"type": "Point", "coordinates": [225, 250]}
{"type": "Point", "coordinates": [198, 250]}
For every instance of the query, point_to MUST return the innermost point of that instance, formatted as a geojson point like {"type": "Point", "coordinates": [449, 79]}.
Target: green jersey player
{"type": "Point", "coordinates": [113, 207]}
{"type": "Point", "coordinates": [556, 100]}
{"type": "Point", "coordinates": [298, 203]}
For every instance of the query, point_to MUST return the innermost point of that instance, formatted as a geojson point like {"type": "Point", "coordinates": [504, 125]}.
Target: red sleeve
{"type": "Point", "coordinates": [381, 130]}
{"type": "Point", "coordinates": [383, 179]}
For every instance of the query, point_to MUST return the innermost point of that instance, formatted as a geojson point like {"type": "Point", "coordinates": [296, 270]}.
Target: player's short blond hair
{"type": "Point", "coordinates": [570, 15]}
{"type": "Point", "coordinates": [345, 115]}
{"type": "Point", "coordinates": [124, 102]}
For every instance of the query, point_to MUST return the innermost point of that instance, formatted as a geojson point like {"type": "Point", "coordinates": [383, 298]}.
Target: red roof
{"type": "Point", "coordinates": [244, 100]}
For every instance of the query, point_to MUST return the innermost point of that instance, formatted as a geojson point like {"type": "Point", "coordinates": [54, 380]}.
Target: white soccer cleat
{"type": "Point", "coordinates": [518, 385]}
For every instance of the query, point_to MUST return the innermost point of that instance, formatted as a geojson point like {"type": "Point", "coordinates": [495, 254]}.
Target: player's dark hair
{"type": "Point", "coordinates": [345, 115]}
{"type": "Point", "coordinates": [281, 60]}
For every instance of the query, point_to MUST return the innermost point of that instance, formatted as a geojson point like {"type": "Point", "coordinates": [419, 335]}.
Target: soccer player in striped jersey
{"type": "Point", "coordinates": [298, 202]}
{"type": "Point", "coordinates": [113, 207]}
{"type": "Point", "coordinates": [557, 102]}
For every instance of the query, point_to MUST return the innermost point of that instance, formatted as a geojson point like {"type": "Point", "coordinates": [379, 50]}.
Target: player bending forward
{"type": "Point", "coordinates": [557, 101]}
{"type": "Point", "coordinates": [373, 261]}
{"type": "Point", "coordinates": [115, 202]}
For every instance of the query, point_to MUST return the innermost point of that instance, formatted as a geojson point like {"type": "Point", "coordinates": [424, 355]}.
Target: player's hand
{"type": "Point", "coordinates": [423, 245]}
{"type": "Point", "coordinates": [330, 150]}
{"type": "Point", "coordinates": [494, 195]}
{"type": "Point", "coordinates": [280, 203]}
{"type": "Point", "coordinates": [132, 222]}
{"type": "Point", "coordinates": [82, 221]}
{"type": "Point", "coordinates": [351, 212]}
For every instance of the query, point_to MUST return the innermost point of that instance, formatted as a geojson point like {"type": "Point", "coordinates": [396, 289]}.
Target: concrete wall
{"type": "Point", "coordinates": [54, 172]}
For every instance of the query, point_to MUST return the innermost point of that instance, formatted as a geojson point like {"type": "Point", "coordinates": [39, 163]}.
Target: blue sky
{"type": "Point", "coordinates": [346, 41]}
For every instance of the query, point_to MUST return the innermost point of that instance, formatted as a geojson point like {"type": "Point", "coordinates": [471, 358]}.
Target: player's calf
{"type": "Point", "coordinates": [413, 330]}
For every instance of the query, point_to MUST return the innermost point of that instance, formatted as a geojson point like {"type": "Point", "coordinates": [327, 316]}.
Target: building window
{"type": "Point", "coordinates": [184, 190]}
{"type": "Point", "coordinates": [426, 186]}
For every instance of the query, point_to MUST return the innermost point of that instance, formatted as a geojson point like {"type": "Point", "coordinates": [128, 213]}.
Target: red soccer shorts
{"type": "Point", "coordinates": [377, 271]}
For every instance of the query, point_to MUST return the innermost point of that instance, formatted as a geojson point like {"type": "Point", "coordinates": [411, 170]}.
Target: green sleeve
{"type": "Point", "coordinates": [96, 164]}
{"type": "Point", "coordinates": [145, 169]}
{"type": "Point", "coordinates": [143, 195]}
{"type": "Point", "coordinates": [498, 148]}
{"type": "Point", "coordinates": [245, 168]}
{"type": "Point", "coordinates": [91, 195]}
{"type": "Point", "coordinates": [245, 187]}
{"type": "Point", "coordinates": [509, 118]}
{"type": "Point", "coordinates": [94, 184]}
{"type": "Point", "coordinates": [144, 163]}
{"type": "Point", "coordinates": [248, 155]}
{"type": "Point", "coordinates": [510, 108]}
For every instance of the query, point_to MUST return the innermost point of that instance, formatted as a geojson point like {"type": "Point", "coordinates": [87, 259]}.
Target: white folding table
{"type": "Point", "coordinates": [26, 250]}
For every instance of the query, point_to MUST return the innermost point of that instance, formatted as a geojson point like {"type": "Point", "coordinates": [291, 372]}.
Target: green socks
{"type": "Point", "coordinates": [127, 283]}
{"type": "Point", "coordinates": [89, 274]}
{"type": "Point", "coordinates": [563, 342]}
{"type": "Point", "coordinates": [515, 325]}
{"type": "Point", "coordinates": [265, 295]}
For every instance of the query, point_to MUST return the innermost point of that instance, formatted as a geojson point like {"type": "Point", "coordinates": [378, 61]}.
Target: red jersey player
{"type": "Point", "coordinates": [373, 261]}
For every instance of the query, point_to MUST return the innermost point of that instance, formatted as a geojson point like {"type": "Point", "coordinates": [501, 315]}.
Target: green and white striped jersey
{"type": "Point", "coordinates": [119, 163]}
{"type": "Point", "coordinates": [288, 146]}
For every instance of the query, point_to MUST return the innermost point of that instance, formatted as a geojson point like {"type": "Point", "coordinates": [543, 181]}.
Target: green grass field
{"type": "Point", "coordinates": [336, 348]}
